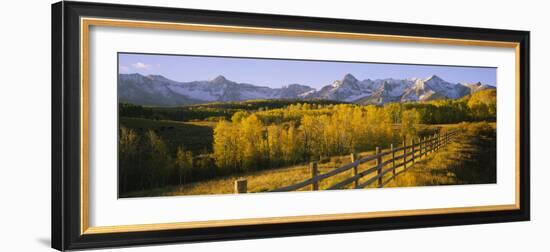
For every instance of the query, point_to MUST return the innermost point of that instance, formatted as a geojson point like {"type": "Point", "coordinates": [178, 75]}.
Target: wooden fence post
{"type": "Point", "coordinates": [433, 142]}
{"type": "Point", "coordinates": [412, 149]}
{"type": "Point", "coordinates": [423, 149]}
{"type": "Point", "coordinates": [355, 168]}
{"type": "Point", "coordinates": [392, 159]}
{"type": "Point", "coordinates": [240, 185]}
{"type": "Point", "coordinates": [434, 147]}
{"type": "Point", "coordinates": [428, 145]}
{"type": "Point", "coordinates": [314, 172]}
{"type": "Point", "coordinates": [379, 166]}
{"type": "Point", "coordinates": [404, 154]}
{"type": "Point", "coordinates": [420, 147]}
{"type": "Point", "coordinates": [437, 142]}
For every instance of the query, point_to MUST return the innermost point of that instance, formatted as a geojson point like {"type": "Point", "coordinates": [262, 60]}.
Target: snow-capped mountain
{"type": "Point", "coordinates": [434, 88]}
{"type": "Point", "coordinates": [369, 91]}
{"type": "Point", "coordinates": [158, 90]}
{"type": "Point", "coordinates": [382, 91]}
{"type": "Point", "coordinates": [343, 90]}
{"type": "Point", "coordinates": [150, 90]}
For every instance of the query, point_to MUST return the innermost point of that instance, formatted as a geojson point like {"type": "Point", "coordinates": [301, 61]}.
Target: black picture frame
{"type": "Point", "coordinates": [66, 156]}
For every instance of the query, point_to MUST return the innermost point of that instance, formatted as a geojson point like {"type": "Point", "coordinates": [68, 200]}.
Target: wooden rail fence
{"type": "Point", "coordinates": [410, 154]}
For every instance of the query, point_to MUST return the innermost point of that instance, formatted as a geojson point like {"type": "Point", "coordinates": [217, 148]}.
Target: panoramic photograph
{"type": "Point", "coordinates": [203, 125]}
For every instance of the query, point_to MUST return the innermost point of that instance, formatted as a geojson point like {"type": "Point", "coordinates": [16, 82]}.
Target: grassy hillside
{"type": "Point", "coordinates": [470, 159]}
{"type": "Point", "coordinates": [195, 136]}
{"type": "Point", "coordinates": [260, 181]}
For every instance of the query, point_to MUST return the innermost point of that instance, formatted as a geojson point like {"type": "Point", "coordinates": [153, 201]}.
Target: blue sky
{"type": "Point", "coordinates": [276, 73]}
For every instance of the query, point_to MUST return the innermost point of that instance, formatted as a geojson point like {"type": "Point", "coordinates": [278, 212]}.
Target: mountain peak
{"type": "Point", "coordinates": [219, 79]}
{"type": "Point", "coordinates": [349, 77]}
{"type": "Point", "coordinates": [349, 82]}
{"type": "Point", "coordinates": [434, 78]}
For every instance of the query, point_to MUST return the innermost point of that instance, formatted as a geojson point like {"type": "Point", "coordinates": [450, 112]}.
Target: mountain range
{"type": "Point", "coordinates": [156, 90]}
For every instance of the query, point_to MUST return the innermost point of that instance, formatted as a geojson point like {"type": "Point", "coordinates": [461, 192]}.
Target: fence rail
{"type": "Point", "coordinates": [410, 154]}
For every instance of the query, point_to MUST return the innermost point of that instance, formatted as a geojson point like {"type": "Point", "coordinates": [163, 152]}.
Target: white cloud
{"type": "Point", "coordinates": [140, 65]}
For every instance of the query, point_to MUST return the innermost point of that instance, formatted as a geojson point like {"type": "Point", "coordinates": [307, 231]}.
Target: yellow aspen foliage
{"type": "Point", "coordinates": [409, 120]}
{"type": "Point", "coordinates": [303, 132]}
{"type": "Point", "coordinates": [251, 142]}
{"type": "Point", "coordinates": [226, 146]}
{"type": "Point", "coordinates": [274, 144]}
